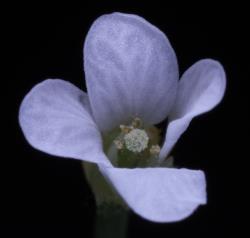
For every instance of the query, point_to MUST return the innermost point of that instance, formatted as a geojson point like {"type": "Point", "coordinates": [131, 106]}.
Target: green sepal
{"type": "Point", "coordinates": [103, 191]}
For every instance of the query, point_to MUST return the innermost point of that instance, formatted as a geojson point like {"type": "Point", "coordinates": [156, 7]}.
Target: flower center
{"type": "Point", "coordinates": [133, 145]}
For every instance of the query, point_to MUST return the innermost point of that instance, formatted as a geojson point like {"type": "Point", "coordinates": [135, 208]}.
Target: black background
{"type": "Point", "coordinates": [48, 196]}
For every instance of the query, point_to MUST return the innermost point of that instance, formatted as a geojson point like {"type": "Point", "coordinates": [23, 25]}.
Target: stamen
{"type": "Point", "coordinates": [155, 149]}
{"type": "Point", "coordinates": [119, 144]}
{"type": "Point", "coordinates": [126, 129]}
{"type": "Point", "coordinates": [136, 123]}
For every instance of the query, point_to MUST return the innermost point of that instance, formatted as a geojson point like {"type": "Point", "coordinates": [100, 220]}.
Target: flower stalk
{"type": "Point", "coordinates": [111, 221]}
{"type": "Point", "coordinates": [111, 215]}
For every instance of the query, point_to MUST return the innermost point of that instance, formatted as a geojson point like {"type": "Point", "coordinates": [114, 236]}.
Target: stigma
{"type": "Point", "coordinates": [136, 140]}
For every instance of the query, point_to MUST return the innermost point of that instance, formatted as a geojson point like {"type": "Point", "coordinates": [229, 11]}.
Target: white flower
{"type": "Point", "coordinates": [131, 72]}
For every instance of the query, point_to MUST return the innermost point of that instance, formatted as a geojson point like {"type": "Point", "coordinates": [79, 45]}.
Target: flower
{"type": "Point", "coordinates": [132, 81]}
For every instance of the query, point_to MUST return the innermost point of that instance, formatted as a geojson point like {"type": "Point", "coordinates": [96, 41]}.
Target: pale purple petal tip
{"type": "Point", "coordinates": [201, 88]}
{"type": "Point", "coordinates": [159, 194]}
{"type": "Point", "coordinates": [54, 117]}
{"type": "Point", "coordinates": [131, 70]}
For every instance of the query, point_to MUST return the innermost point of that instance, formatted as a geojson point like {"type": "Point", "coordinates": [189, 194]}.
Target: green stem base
{"type": "Point", "coordinates": [111, 221]}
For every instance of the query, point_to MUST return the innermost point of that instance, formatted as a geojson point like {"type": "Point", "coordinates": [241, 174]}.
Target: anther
{"type": "Point", "coordinates": [155, 149]}
{"type": "Point", "coordinates": [119, 144]}
{"type": "Point", "coordinates": [136, 123]}
{"type": "Point", "coordinates": [126, 129]}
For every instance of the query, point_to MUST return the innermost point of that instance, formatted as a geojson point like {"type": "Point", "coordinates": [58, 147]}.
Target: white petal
{"type": "Point", "coordinates": [159, 194]}
{"type": "Point", "coordinates": [200, 89]}
{"type": "Point", "coordinates": [54, 118]}
{"type": "Point", "coordinates": [131, 70]}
